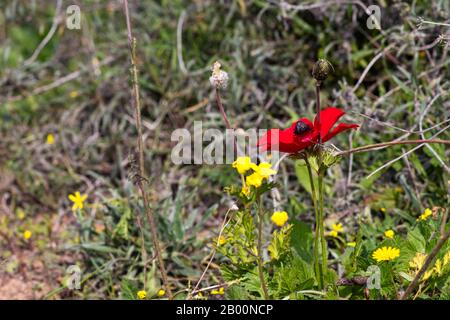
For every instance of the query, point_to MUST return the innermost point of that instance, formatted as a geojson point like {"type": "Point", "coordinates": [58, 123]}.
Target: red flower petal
{"type": "Point", "coordinates": [328, 118]}
{"type": "Point", "coordinates": [339, 128]}
{"type": "Point", "coordinates": [286, 140]}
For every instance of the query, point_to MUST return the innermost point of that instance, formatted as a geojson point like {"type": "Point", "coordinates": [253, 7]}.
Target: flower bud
{"type": "Point", "coordinates": [321, 69]}
{"type": "Point", "coordinates": [219, 78]}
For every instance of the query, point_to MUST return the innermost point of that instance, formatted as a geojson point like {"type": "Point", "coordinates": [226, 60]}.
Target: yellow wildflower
{"type": "Point", "coordinates": [73, 94]}
{"type": "Point", "coordinates": [334, 233]}
{"type": "Point", "coordinates": [351, 244]}
{"type": "Point", "coordinates": [220, 291]}
{"type": "Point", "coordinates": [279, 218]}
{"type": "Point", "coordinates": [161, 293]}
{"type": "Point", "coordinates": [245, 191]}
{"type": "Point", "coordinates": [254, 180]}
{"type": "Point", "coordinates": [418, 261]}
{"type": "Point", "coordinates": [242, 164]}
{"type": "Point", "coordinates": [424, 216]}
{"type": "Point", "coordinates": [427, 275]}
{"type": "Point", "coordinates": [386, 254]}
{"type": "Point", "coordinates": [446, 258]}
{"type": "Point", "coordinates": [383, 210]}
{"type": "Point", "coordinates": [27, 235]}
{"type": "Point", "coordinates": [438, 267]}
{"type": "Point", "coordinates": [389, 234]}
{"type": "Point", "coordinates": [222, 240]}
{"type": "Point", "coordinates": [264, 169]}
{"type": "Point", "coordinates": [50, 139]}
{"type": "Point", "coordinates": [337, 227]}
{"type": "Point", "coordinates": [77, 200]}
{"type": "Point", "coordinates": [141, 295]}
{"type": "Point", "coordinates": [20, 214]}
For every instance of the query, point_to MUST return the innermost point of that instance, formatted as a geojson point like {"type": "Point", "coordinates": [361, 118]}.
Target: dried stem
{"type": "Point", "coordinates": [221, 109]}
{"type": "Point", "coordinates": [388, 144]}
{"type": "Point", "coordinates": [225, 119]}
{"type": "Point", "coordinates": [426, 264]}
{"type": "Point", "coordinates": [141, 178]}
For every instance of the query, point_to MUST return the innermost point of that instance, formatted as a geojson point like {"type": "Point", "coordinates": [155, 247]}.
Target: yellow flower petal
{"type": "Point", "coordinates": [161, 293]}
{"type": "Point", "coordinates": [389, 234]}
{"type": "Point", "coordinates": [385, 254]}
{"type": "Point", "coordinates": [254, 180]}
{"type": "Point", "coordinates": [141, 295]}
{"type": "Point", "coordinates": [279, 218]}
{"type": "Point", "coordinates": [50, 139]}
{"type": "Point", "coordinates": [424, 216]}
{"type": "Point", "coordinates": [27, 235]}
{"type": "Point", "coordinates": [264, 169]}
{"type": "Point", "coordinates": [242, 164]}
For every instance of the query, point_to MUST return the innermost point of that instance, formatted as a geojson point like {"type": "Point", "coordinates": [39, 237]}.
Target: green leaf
{"type": "Point", "coordinates": [302, 240]}
{"type": "Point", "coordinates": [416, 240]}
{"type": "Point", "coordinates": [301, 170]}
{"type": "Point", "coordinates": [128, 290]}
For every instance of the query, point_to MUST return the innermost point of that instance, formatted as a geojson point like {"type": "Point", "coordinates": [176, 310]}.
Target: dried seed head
{"type": "Point", "coordinates": [219, 78]}
{"type": "Point", "coordinates": [322, 69]}
{"type": "Point", "coordinates": [234, 207]}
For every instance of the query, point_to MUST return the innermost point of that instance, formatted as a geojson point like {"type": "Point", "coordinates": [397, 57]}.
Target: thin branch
{"type": "Point", "coordinates": [141, 179]}
{"type": "Point", "coordinates": [406, 153]}
{"type": "Point", "coordinates": [391, 143]}
{"type": "Point", "coordinates": [422, 135]}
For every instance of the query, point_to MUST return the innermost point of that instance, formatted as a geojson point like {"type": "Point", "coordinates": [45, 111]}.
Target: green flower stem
{"type": "Point", "coordinates": [260, 261]}
{"type": "Point", "coordinates": [318, 271]}
{"type": "Point", "coordinates": [321, 222]}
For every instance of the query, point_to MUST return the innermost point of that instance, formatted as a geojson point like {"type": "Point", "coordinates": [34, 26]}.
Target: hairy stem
{"type": "Point", "coordinates": [321, 228]}
{"type": "Point", "coordinates": [317, 268]}
{"type": "Point", "coordinates": [259, 248]}
{"type": "Point", "coordinates": [140, 150]}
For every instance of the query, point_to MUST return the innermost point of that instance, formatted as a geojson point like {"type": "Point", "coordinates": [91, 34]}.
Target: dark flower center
{"type": "Point", "coordinates": [301, 128]}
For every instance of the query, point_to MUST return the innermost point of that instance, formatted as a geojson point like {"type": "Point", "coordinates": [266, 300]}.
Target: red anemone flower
{"type": "Point", "coordinates": [303, 133]}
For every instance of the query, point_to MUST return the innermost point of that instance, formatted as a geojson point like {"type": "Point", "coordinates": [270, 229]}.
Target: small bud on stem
{"type": "Point", "coordinates": [321, 70]}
